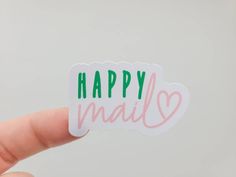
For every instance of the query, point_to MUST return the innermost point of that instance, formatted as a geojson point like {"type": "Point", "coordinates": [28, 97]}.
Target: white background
{"type": "Point", "coordinates": [194, 41]}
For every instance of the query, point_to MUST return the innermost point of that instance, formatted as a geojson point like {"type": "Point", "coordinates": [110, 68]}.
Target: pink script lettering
{"type": "Point", "coordinates": [120, 111]}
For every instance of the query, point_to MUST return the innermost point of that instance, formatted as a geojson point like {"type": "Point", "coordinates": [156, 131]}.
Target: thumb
{"type": "Point", "coordinates": [17, 174]}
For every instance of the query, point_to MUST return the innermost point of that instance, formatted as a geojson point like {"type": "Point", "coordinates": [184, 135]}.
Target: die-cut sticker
{"type": "Point", "coordinates": [123, 95]}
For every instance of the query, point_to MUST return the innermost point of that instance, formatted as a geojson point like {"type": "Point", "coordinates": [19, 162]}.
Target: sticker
{"type": "Point", "coordinates": [123, 95]}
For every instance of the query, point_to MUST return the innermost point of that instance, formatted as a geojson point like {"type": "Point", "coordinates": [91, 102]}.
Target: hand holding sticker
{"type": "Point", "coordinates": [132, 96]}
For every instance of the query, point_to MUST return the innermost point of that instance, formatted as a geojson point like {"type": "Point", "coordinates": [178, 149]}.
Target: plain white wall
{"type": "Point", "coordinates": [194, 41]}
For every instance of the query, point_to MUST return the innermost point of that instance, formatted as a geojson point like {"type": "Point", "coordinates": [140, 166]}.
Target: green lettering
{"type": "Point", "coordinates": [140, 82]}
{"type": "Point", "coordinates": [81, 85]}
{"type": "Point", "coordinates": [97, 85]}
{"type": "Point", "coordinates": [126, 81]}
{"type": "Point", "coordinates": [111, 82]}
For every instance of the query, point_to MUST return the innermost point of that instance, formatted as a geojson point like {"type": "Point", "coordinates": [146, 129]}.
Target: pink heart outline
{"type": "Point", "coordinates": [168, 100]}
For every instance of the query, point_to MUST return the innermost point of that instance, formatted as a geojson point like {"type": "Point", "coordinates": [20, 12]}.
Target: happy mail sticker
{"type": "Point", "coordinates": [123, 95]}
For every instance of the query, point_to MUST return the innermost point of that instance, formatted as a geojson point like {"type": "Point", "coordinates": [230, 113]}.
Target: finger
{"type": "Point", "coordinates": [17, 174]}
{"type": "Point", "coordinates": [27, 135]}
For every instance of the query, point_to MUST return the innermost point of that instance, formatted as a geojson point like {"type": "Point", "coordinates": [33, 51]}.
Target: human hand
{"type": "Point", "coordinates": [27, 135]}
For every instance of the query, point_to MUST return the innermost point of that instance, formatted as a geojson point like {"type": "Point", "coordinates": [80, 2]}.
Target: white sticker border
{"type": "Point", "coordinates": [152, 68]}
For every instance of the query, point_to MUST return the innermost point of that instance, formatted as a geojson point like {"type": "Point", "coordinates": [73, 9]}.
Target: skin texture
{"type": "Point", "coordinates": [28, 135]}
